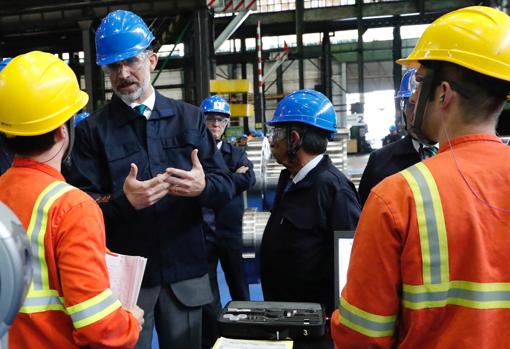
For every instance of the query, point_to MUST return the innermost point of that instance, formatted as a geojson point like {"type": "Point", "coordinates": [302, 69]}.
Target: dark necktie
{"type": "Point", "coordinates": [140, 109]}
{"type": "Point", "coordinates": [427, 151]}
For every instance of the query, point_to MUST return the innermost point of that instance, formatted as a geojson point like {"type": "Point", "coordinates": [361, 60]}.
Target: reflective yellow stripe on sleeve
{"type": "Point", "coordinates": [37, 231]}
{"type": "Point", "coordinates": [42, 300]}
{"type": "Point", "coordinates": [93, 309]}
{"type": "Point", "coordinates": [371, 325]}
{"type": "Point", "coordinates": [40, 297]}
{"type": "Point", "coordinates": [431, 225]}
{"type": "Point", "coordinates": [437, 289]}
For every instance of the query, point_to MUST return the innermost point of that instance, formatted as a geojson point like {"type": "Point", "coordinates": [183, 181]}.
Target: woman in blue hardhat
{"type": "Point", "coordinates": [313, 199]}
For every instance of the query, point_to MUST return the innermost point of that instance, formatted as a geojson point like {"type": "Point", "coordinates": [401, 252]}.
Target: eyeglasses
{"type": "Point", "coordinates": [211, 119]}
{"type": "Point", "coordinates": [276, 133]}
{"type": "Point", "coordinates": [133, 63]}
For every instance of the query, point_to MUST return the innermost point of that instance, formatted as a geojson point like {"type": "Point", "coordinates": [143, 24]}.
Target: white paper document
{"type": "Point", "coordinates": [227, 343]}
{"type": "Point", "coordinates": [126, 274]}
{"type": "Point", "coordinates": [344, 255]}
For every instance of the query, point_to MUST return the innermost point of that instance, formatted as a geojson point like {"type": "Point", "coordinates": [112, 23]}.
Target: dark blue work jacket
{"type": "Point", "coordinates": [227, 221]}
{"type": "Point", "coordinates": [384, 162]}
{"type": "Point", "coordinates": [168, 233]}
{"type": "Point", "coordinates": [297, 252]}
{"type": "Point", "coordinates": [5, 156]}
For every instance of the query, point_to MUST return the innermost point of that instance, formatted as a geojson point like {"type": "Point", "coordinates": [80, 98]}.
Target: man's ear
{"type": "Point", "coordinates": [61, 132]}
{"type": "Point", "coordinates": [153, 60]}
{"type": "Point", "coordinates": [294, 137]}
{"type": "Point", "coordinates": [445, 93]}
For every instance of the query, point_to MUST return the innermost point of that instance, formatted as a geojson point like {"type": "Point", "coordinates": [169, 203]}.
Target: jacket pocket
{"type": "Point", "coordinates": [120, 157]}
{"type": "Point", "coordinates": [300, 218]}
{"type": "Point", "coordinates": [178, 148]}
{"type": "Point", "coordinates": [306, 242]}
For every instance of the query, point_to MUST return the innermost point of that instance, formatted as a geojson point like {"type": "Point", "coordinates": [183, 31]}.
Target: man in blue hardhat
{"type": "Point", "coordinates": [401, 154]}
{"type": "Point", "coordinates": [151, 164]}
{"type": "Point", "coordinates": [313, 199]}
{"type": "Point", "coordinates": [391, 137]}
{"type": "Point", "coordinates": [223, 227]}
{"type": "Point", "coordinates": [80, 117]}
{"type": "Point", "coordinates": [5, 155]}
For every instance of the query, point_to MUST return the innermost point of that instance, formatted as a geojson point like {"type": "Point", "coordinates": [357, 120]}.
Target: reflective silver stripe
{"type": "Point", "coordinates": [40, 220]}
{"type": "Point", "coordinates": [431, 223]}
{"type": "Point", "coordinates": [437, 289]}
{"type": "Point", "coordinates": [42, 300]}
{"type": "Point", "coordinates": [365, 323]}
{"type": "Point", "coordinates": [94, 310]}
{"type": "Point", "coordinates": [478, 296]}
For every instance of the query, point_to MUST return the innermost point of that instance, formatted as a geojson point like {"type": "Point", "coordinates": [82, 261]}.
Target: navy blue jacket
{"type": "Point", "coordinates": [384, 162]}
{"type": "Point", "coordinates": [168, 233]}
{"type": "Point", "coordinates": [228, 220]}
{"type": "Point", "coordinates": [5, 156]}
{"type": "Point", "coordinates": [297, 250]}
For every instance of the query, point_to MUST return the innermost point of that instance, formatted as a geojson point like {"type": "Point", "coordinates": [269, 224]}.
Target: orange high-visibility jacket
{"type": "Point", "coordinates": [430, 262]}
{"type": "Point", "coordinates": [69, 303]}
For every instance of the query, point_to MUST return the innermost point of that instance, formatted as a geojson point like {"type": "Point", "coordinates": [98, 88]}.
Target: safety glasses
{"type": "Point", "coordinates": [213, 119]}
{"type": "Point", "coordinates": [133, 63]}
{"type": "Point", "coordinates": [276, 133]}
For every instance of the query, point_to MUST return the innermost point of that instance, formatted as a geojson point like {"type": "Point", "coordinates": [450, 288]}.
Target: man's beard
{"type": "Point", "coordinates": [132, 97]}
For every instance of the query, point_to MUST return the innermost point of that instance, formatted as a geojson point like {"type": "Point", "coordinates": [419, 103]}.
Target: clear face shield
{"type": "Point", "coordinates": [407, 104]}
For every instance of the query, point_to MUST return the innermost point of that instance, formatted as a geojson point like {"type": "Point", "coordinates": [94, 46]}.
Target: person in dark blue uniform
{"type": "Point", "coordinates": [5, 155]}
{"type": "Point", "coordinates": [313, 199]}
{"type": "Point", "coordinates": [393, 136]}
{"type": "Point", "coordinates": [223, 227]}
{"type": "Point", "coordinates": [399, 155]}
{"type": "Point", "coordinates": [152, 164]}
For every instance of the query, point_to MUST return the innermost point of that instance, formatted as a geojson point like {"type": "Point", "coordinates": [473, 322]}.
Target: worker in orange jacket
{"type": "Point", "coordinates": [429, 265]}
{"type": "Point", "coordinates": [69, 303]}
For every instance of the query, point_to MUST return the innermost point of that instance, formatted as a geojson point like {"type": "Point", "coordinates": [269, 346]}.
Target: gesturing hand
{"type": "Point", "coordinates": [187, 183]}
{"type": "Point", "coordinates": [242, 169]}
{"type": "Point", "coordinates": [142, 194]}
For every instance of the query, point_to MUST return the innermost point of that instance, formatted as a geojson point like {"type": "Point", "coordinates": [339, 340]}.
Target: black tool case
{"type": "Point", "coordinates": [271, 320]}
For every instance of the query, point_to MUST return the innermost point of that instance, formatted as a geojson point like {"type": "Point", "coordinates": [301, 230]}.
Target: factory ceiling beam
{"type": "Point", "coordinates": [375, 15]}
{"type": "Point", "coordinates": [53, 25]}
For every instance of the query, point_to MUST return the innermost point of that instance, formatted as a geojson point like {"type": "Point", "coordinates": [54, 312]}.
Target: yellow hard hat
{"type": "Point", "coordinates": [476, 37]}
{"type": "Point", "coordinates": [38, 93]}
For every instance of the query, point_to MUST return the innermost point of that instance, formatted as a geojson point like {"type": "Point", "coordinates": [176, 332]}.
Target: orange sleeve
{"type": "Point", "coordinates": [80, 253]}
{"type": "Point", "coordinates": [370, 299]}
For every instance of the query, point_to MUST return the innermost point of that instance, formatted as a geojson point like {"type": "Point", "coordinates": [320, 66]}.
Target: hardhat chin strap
{"type": "Point", "coordinates": [421, 106]}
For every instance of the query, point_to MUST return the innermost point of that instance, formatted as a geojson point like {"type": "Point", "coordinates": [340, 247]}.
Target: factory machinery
{"type": "Point", "coordinates": [15, 269]}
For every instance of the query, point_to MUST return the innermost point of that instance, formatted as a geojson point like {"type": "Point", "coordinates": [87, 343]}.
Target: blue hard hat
{"type": "Point", "coordinates": [215, 104]}
{"type": "Point", "coordinates": [393, 128]}
{"type": "Point", "coordinates": [80, 117]}
{"type": "Point", "coordinates": [308, 107]}
{"type": "Point", "coordinates": [407, 85]}
{"type": "Point", "coordinates": [4, 63]}
{"type": "Point", "coordinates": [121, 35]}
